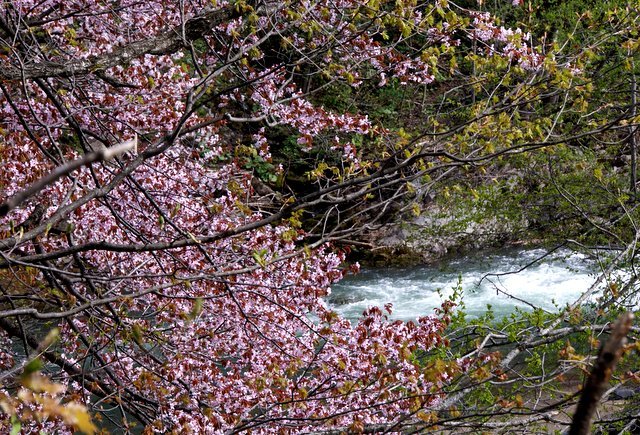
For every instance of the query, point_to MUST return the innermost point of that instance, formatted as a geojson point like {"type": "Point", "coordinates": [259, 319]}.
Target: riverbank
{"type": "Point", "coordinates": [438, 235]}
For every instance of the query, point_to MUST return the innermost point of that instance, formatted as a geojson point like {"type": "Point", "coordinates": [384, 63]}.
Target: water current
{"type": "Point", "coordinates": [487, 278]}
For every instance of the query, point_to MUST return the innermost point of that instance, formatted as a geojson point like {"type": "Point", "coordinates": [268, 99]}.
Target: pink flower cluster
{"type": "Point", "coordinates": [198, 317]}
{"type": "Point", "coordinates": [512, 44]}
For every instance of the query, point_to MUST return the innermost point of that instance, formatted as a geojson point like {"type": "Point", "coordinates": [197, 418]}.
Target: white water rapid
{"type": "Point", "coordinates": [551, 283]}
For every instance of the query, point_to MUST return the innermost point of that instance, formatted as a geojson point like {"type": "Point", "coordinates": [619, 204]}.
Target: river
{"type": "Point", "coordinates": [484, 278]}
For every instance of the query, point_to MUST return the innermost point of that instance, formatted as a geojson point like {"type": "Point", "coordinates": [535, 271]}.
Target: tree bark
{"type": "Point", "coordinates": [609, 354]}
{"type": "Point", "coordinates": [632, 133]}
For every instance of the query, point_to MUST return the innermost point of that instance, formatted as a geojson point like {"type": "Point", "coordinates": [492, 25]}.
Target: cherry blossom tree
{"type": "Point", "coordinates": [184, 299]}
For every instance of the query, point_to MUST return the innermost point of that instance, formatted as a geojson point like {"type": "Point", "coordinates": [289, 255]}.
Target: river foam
{"type": "Point", "coordinates": [486, 278]}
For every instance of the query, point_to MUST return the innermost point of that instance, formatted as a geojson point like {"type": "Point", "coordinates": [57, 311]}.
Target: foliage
{"type": "Point", "coordinates": [183, 301]}
{"type": "Point", "coordinates": [37, 403]}
{"type": "Point", "coordinates": [187, 301]}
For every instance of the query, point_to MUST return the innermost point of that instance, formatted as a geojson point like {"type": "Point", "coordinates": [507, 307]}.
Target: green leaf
{"type": "Point", "coordinates": [597, 172]}
{"type": "Point", "coordinates": [259, 256]}
{"type": "Point", "coordinates": [196, 309]}
{"type": "Point", "coordinates": [15, 425]}
{"type": "Point", "coordinates": [33, 366]}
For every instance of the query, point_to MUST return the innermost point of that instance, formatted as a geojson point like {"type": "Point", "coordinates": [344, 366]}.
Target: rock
{"type": "Point", "coordinates": [338, 300]}
{"type": "Point", "coordinates": [436, 234]}
{"type": "Point", "coordinates": [624, 392]}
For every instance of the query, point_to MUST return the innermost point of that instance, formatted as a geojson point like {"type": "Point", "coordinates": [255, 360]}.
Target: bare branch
{"type": "Point", "coordinates": [170, 42]}
{"type": "Point", "coordinates": [99, 155]}
{"type": "Point", "coordinates": [609, 354]}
